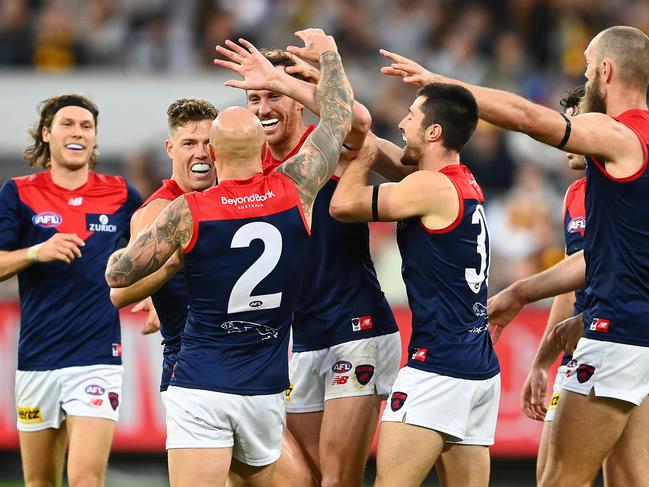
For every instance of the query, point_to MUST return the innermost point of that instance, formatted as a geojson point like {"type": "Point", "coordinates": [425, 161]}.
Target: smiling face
{"type": "Point", "coordinates": [72, 137]}
{"type": "Point", "coordinates": [192, 168]}
{"type": "Point", "coordinates": [412, 134]}
{"type": "Point", "coordinates": [280, 115]}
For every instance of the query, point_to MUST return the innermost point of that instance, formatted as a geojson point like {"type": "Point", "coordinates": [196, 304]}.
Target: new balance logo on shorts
{"type": "Point", "coordinates": [362, 323]}
{"type": "Point", "coordinates": [340, 379]}
{"type": "Point", "coordinates": [600, 324]}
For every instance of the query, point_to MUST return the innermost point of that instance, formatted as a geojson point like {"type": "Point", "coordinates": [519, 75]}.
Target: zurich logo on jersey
{"type": "Point", "coordinates": [100, 223]}
{"type": "Point", "coordinates": [47, 219]}
{"type": "Point", "coordinates": [577, 225]}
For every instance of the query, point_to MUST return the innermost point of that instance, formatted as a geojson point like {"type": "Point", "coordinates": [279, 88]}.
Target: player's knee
{"type": "Point", "coordinates": [85, 478]}
{"type": "Point", "coordinates": [40, 482]}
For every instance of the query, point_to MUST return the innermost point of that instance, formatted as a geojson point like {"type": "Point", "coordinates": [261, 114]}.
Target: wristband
{"type": "Point", "coordinates": [375, 203]}
{"type": "Point", "coordinates": [566, 134]}
{"type": "Point", "coordinates": [32, 253]}
{"type": "Point", "coordinates": [350, 148]}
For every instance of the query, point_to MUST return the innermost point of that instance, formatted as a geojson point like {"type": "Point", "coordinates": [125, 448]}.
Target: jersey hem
{"type": "Point", "coordinates": [453, 373]}
{"type": "Point", "coordinates": [297, 347]}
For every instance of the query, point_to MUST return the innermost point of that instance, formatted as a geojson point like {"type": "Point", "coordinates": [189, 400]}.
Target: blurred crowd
{"type": "Point", "coordinates": [531, 47]}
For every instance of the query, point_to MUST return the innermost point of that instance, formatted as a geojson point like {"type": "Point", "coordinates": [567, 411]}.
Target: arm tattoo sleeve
{"type": "Point", "coordinates": [312, 167]}
{"type": "Point", "coordinates": [153, 246]}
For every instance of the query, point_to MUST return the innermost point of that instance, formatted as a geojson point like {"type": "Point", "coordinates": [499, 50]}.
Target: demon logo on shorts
{"type": "Point", "coordinates": [585, 372]}
{"type": "Point", "coordinates": [397, 400]}
{"type": "Point", "coordinates": [364, 373]}
{"type": "Point", "coordinates": [113, 397]}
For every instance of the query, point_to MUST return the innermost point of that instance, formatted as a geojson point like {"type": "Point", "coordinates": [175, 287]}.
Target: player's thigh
{"type": "Point", "coordinates": [348, 426]}
{"type": "Point", "coordinates": [305, 428]}
{"type": "Point", "coordinates": [584, 431]}
{"type": "Point", "coordinates": [90, 440]}
{"type": "Point", "coordinates": [243, 475]}
{"type": "Point", "coordinates": [43, 454]}
{"type": "Point", "coordinates": [199, 467]}
{"type": "Point", "coordinates": [293, 466]}
{"type": "Point", "coordinates": [628, 463]}
{"type": "Point", "coordinates": [544, 447]}
{"type": "Point", "coordinates": [464, 465]}
{"type": "Point", "coordinates": [406, 454]}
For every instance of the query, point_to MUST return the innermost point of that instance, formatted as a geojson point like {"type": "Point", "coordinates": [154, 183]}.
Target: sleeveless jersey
{"type": "Point", "coordinates": [171, 300]}
{"type": "Point", "coordinates": [616, 247]}
{"type": "Point", "coordinates": [445, 272]}
{"type": "Point", "coordinates": [574, 226]}
{"type": "Point", "coordinates": [66, 317]}
{"type": "Point", "coordinates": [342, 300]}
{"type": "Point", "coordinates": [243, 269]}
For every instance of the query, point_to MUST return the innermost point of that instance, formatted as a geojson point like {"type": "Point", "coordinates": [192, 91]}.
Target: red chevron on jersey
{"type": "Point", "coordinates": [168, 191]}
{"type": "Point", "coordinates": [66, 209]}
{"type": "Point", "coordinates": [250, 198]}
{"type": "Point", "coordinates": [270, 163]}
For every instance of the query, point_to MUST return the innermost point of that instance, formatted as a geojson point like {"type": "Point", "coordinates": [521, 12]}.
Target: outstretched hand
{"type": "Point", "coordinates": [257, 71]}
{"type": "Point", "coordinates": [407, 69]}
{"type": "Point", "coordinates": [503, 308]}
{"type": "Point", "coordinates": [309, 73]}
{"type": "Point", "coordinates": [315, 43]}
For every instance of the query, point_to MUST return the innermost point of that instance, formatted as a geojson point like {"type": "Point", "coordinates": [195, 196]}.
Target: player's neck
{"type": "Point", "coordinates": [69, 178]}
{"type": "Point", "coordinates": [237, 170]}
{"type": "Point", "coordinates": [436, 157]}
{"type": "Point", "coordinates": [283, 148]}
{"type": "Point", "coordinates": [620, 100]}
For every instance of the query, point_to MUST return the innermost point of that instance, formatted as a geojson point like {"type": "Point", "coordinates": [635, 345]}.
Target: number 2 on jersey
{"type": "Point", "coordinates": [241, 298]}
{"type": "Point", "coordinates": [475, 279]}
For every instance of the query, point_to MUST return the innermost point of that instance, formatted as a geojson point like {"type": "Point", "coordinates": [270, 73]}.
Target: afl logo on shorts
{"type": "Point", "coordinates": [341, 366]}
{"type": "Point", "coordinates": [95, 390]}
{"type": "Point", "coordinates": [397, 400]}
{"type": "Point", "coordinates": [577, 225]}
{"type": "Point", "coordinates": [47, 219]}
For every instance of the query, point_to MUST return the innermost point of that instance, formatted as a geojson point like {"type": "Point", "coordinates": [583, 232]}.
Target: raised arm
{"type": "Point", "coordinates": [591, 133]}
{"type": "Point", "coordinates": [171, 230]}
{"type": "Point", "coordinates": [312, 167]}
{"type": "Point", "coordinates": [259, 74]}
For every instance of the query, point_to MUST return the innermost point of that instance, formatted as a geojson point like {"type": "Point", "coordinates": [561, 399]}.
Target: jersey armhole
{"type": "Point", "coordinates": [639, 172]}
{"type": "Point", "coordinates": [296, 197]}
{"type": "Point", "coordinates": [458, 218]}
{"type": "Point", "coordinates": [193, 207]}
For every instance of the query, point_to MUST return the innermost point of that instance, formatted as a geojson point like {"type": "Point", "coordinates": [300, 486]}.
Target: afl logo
{"type": "Point", "coordinates": [341, 366]}
{"type": "Point", "coordinates": [255, 304]}
{"type": "Point", "coordinates": [95, 390]}
{"type": "Point", "coordinates": [577, 225]}
{"type": "Point", "coordinates": [47, 219]}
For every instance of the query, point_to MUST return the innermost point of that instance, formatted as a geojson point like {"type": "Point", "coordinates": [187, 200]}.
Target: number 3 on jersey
{"type": "Point", "coordinates": [475, 279]}
{"type": "Point", "coordinates": [241, 298]}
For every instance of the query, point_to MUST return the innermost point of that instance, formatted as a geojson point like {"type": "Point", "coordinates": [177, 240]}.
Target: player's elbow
{"type": "Point", "coordinates": [343, 211]}
{"type": "Point", "coordinates": [117, 298]}
{"type": "Point", "coordinates": [361, 118]}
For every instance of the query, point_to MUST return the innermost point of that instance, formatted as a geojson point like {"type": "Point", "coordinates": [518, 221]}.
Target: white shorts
{"type": "Point", "coordinates": [45, 397]}
{"type": "Point", "coordinates": [559, 380]}
{"type": "Point", "coordinates": [465, 410]}
{"type": "Point", "coordinates": [356, 368]}
{"type": "Point", "coordinates": [609, 369]}
{"type": "Point", "coordinates": [251, 425]}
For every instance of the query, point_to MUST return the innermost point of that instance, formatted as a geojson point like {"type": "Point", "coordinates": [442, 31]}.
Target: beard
{"type": "Point", "coordinates": [412, 154]}
{"type": "Point", "coordinates": [593, 100]}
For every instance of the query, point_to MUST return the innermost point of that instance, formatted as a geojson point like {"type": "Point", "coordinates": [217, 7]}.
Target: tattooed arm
{"type": "Point", "coordinates": [312, 167]}
{"type": "Point", "coordinates": [171, 230]}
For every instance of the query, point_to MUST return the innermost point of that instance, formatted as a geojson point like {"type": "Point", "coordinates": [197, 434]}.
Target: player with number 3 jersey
{"type": "Point", "coordinates": [446, 398]}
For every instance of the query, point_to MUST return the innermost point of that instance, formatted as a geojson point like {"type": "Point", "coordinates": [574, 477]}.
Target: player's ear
{"type": "Point", "coordinates": [433, 133]}
{"type": "Point", "coordinates": [169, 146]}
{"type": "Point", "coordinates": [45, 134]}
{"type": "Point", "coordinates": [211, 152]}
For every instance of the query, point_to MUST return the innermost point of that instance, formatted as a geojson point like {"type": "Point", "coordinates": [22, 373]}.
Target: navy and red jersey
{"type": "Point", "coordinates": [342, 300]}
{"type": "Point", "coordinates": [446, 273]}
{"type": "Point", "coordinates": [66, 317]}
{"type": "Point", "coordinates": [616, 247]}
{"type": "Point", "coordinates": [171, 300]}
{"type": "Point", "coordinates": [574, 226]}
{"type": "Point", "coordinates": [243, 270]}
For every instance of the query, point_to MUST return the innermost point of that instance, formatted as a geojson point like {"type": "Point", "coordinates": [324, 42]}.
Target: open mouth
{"type": "Point", "coordinates": [201, 168]}
{"type": "Point", "coordinates": [269, 123]}
{"type": "Point", "coordinates": [75, 147]}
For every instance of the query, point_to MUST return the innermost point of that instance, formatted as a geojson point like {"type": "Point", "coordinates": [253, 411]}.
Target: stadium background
{"type": "Point", "coordinates": [134, 57]}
